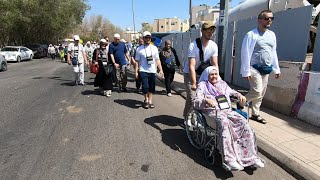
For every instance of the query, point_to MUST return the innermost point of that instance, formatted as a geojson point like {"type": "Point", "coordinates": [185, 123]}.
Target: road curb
{"type": "Point", "coordinates": [289, 164]}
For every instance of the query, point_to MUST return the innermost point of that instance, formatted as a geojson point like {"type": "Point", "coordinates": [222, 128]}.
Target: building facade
{"type": "Point", "coordinates": [130, 36]}
{"type": "Point", "coordinates": [167, 25]}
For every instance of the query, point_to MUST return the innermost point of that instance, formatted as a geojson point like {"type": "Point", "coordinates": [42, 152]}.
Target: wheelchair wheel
{"type": "Point", "coordinates": [196, 129]}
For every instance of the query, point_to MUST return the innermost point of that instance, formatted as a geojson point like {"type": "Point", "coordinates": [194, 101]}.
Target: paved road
{"type": "Point", "coordinates": [50, 129]}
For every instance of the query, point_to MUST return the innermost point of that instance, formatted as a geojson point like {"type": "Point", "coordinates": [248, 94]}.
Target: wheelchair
{"type": "Point", "coordinates": [203, 134]}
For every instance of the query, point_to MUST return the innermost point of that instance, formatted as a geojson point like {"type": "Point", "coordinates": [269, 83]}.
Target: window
{"type": "Point", "coordinates": [161, 26]}
{"type": "Point", "coordinates": [173, 23]}
{"type": "Point", "coordinates": [167, 23]}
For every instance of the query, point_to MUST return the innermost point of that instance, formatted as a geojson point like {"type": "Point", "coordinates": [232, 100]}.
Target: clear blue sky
{"type": "Point", "coordinates": [119, 12]}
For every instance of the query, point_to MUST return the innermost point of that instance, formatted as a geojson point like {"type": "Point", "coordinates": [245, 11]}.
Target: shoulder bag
{"type": "Point", "coordinates": [203, 64]}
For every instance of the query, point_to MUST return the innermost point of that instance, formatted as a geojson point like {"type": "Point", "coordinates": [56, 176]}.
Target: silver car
{"type": "Point", "coordinates": [16, 53]}
{"type": "Point", "coordinates": [3, 63]}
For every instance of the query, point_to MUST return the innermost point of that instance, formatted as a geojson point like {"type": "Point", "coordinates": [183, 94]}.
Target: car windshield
{"type": "Point", "coordinates": [9, 49]}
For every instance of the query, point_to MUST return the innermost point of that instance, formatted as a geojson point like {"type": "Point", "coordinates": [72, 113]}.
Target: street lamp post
{"type": "Point", "coordinates": [134, 25]}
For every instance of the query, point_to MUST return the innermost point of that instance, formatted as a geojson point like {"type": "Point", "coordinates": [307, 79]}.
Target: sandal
{"type": "Point", "coordinates": [258, 119]}
{"type": "Point", "coordinates": [151, 105]}
{"type": "Point", "coordinates": [145, 105]}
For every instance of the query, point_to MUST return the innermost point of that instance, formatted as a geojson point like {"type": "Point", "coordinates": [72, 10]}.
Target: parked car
{"type": "Point", "coordinates": [16, 53]}
{"type": "Point", "coordinates": [3, 63]}
{"type": "Point", "coordinates": [39, 50]}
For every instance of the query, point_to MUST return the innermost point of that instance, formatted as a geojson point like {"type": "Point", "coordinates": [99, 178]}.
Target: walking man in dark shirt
{"type": "Point", "coordinates": [120, 57]}
{"type": "Point", "coordinates": [169, 60]}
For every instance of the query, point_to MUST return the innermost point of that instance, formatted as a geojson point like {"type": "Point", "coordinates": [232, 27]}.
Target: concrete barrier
{"type": "Point", "coordinates": [281, 93]}
{"type": "Point", "coordinates": [307, 106]}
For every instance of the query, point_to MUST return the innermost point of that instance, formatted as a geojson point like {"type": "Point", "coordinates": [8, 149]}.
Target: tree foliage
{"type": "Point", "coordinates": [39, 21]}
{"type": "Point", "coordinates": [96, 27]}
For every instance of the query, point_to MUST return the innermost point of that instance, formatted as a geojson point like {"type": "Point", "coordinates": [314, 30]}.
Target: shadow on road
{"type": "Point", "coordinates": [134, 104]}
{"type": "Point", "coordinates": [91, 92]}
{"type": "Point", "coordinates": [71, 83]}
{"type": "Point", "coordinates": [177, 140]}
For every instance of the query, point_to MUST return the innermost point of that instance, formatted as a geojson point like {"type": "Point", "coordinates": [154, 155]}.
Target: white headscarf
{"type": "Point", "coordinates": [205, 74]}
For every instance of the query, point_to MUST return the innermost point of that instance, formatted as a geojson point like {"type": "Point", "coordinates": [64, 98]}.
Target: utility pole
{"type": "Point", "coordinates": [190, 12]}
{"type": "Point", "coordinates": [222, 35]}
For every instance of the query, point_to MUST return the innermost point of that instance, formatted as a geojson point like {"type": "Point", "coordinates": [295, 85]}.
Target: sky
{"type": "Point", "coordinates": [119, 12]}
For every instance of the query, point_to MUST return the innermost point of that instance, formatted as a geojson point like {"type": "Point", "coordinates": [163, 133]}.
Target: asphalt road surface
{"type": "Point", "coordinates": [50, 129]}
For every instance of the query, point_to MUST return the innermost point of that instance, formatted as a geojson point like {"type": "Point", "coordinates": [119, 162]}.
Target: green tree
{"type": "Point", "coordinates": [39, 21]}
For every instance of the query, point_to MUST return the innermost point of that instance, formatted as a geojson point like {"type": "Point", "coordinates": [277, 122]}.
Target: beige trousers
{"type": "Point", "coordinates": [258, 87]}
{"type": "Point", "coordinates": [190, 95]}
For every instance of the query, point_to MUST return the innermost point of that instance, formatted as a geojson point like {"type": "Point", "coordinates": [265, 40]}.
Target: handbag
{"type": "Point", "coordinates": [263, 69]}
{"type": "Point", "coordinates": [94, 68]}
{"type": "Point", "coordinates": [204, 64]}
{"type": "Point", "coordinates": [74, 59]}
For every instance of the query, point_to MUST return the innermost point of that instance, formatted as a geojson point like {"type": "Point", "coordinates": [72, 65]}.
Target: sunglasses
{"type": "Point", "coordinates": [147, 37]}
{"type": "Point", "coordinates": [210, 30]}
{"type": "Point", "coordinates": [268, 18]}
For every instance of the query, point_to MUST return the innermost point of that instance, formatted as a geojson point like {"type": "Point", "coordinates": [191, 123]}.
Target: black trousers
{"type": "Point", "coordinates": [138, 82]}
{"type": "Point", "coordinates": [168, 79]}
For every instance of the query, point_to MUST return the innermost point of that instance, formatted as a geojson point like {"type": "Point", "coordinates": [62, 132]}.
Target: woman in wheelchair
{"type": "Point", "coordinates": [235, 135]}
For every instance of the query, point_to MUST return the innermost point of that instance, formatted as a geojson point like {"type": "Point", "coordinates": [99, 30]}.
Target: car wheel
{"type": "Point", "coordinates": [3, 66]}
{"type": "Point", "coordinates": [18, 59]}
{"type": "Point", "coordinates": [31, 57]}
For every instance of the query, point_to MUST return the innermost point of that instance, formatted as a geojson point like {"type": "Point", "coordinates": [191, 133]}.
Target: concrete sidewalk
{"type": "Point", "coordinates": [292, 144]}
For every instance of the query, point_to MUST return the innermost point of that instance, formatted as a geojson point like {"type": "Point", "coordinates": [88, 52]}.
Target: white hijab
{"type": "Point", "coordinates": [205, 74]}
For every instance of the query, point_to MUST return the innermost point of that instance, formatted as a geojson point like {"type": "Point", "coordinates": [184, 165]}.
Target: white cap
{"type": "Point", "coordinates": [76, 37]}
{"type": "Point", "coordinates": [88, 42]}
{"type": "Point", "coordinates": [146, 33]}
{"type": "Point", "coordinates": [116, 35]}
{"type": "Point", "coordinates": [122, 40]}
{"type": "Point", "coordinates": [103, 41]}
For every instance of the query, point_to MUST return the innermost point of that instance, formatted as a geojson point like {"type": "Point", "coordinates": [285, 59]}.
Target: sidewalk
{"type": "Point", "coordinates": [291, 143]}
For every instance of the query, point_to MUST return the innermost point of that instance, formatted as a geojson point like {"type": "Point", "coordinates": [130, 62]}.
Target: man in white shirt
{"type": "Point", "coordinates": [258, 59]}
{"type": "Point", "coordinates": [77, 56]}
{"type": "Point", "coordinates": [210, 54]}
{"type": "Point", "coordinates": [147, 58]}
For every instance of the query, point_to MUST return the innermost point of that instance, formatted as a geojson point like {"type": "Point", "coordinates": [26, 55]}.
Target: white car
{"type": "Point", "coordinates": [16, 53]}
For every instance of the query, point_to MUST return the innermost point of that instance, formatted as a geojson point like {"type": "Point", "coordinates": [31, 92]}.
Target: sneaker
{"type": "Point", "coordinates": [235, 166]}
{"type": "Point", "coordinates": [259, 164]}
{"type": "Point", "coordinates": [105, 93]}
{"type": "Point", "coordinates": [75, 83]}
{"type": "Point", "coordinates": [108, 94]}
{"type": "Point", "coordinates": [169, 94]}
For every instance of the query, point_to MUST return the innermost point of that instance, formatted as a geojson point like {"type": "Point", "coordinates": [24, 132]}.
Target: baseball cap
{"type": "Point", "coordinates": [103, 41]}
{"type": "Point", "coordinates": [76, 37]}
{"type": "Point", "coordinates": [146, 33]}
{"type": "Point", "coordinates": [207, 25]}
{"type": "Point", "coordinates": [116, 35]}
